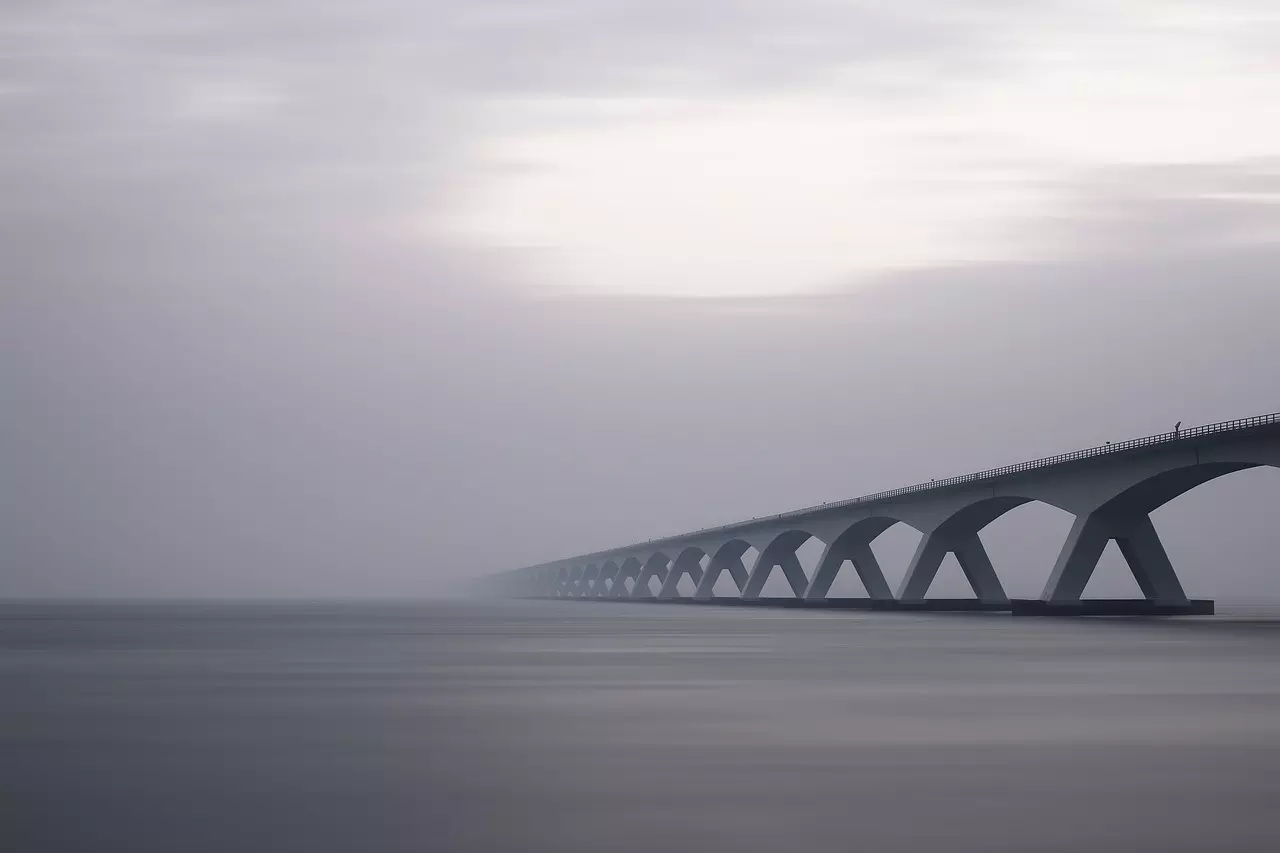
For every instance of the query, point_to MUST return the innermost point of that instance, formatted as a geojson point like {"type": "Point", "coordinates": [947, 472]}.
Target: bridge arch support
{"type": "Point", "coordinates": [570, 588]}
{"type": "Point", "coordinates": [728, 557]}
{"type": "Point", "coordinates": [588, 578]}
{"type": "Point", "coordinates": [854, 545]}
{"type": "Point", "coordinates": [600, 587]}
{"type": "Point", "coordinates": [779, 553]}
{"type": "Point", "coordinates": [1125, 518]}
{"type": "Point", "coordinates": [687, 562]}
{"type": "Point", "coordinates": [958, 534]}
{"type": "Point", "coordinates": [629, 570]}
{"type": "Point", "coordinates": [656, 565]}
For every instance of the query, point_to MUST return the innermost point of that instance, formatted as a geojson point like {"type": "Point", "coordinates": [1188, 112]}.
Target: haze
{"type": "Point", "coordinates": [323, 299]}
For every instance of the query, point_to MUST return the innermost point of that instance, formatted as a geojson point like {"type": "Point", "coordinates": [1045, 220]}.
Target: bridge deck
{"type": "Point", "coordinates": [992, 475]}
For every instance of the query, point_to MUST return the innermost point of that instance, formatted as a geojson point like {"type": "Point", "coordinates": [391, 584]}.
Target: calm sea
{"type": "Point", "coordinates": [579, 726]}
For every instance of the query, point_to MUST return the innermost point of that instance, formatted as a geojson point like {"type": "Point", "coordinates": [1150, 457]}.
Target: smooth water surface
{"type": "Point", "coordinates": [583, 726]}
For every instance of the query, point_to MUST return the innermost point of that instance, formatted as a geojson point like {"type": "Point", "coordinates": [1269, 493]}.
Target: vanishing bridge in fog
{"type": "Point", "coordinates": [1112, 491]}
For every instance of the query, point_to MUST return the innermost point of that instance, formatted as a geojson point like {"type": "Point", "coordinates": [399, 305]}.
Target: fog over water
{"type": "Point", "coordinates": [584, 726]}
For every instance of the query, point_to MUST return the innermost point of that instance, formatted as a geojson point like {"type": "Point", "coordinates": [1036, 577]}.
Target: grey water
{"type": "Point", "coordinates": [582, 726]}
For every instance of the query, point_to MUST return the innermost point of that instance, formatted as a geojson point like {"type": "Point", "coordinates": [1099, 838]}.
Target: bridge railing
{"type": "Point", "coordinates": [991, 474]}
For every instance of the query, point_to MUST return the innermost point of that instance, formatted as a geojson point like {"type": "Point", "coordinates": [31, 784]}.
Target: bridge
{"type": "Point", "coordinates": [1111, 490]}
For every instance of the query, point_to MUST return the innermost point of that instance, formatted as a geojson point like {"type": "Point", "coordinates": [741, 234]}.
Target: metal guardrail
{"type": "Point", "coordinates": [980, 476]}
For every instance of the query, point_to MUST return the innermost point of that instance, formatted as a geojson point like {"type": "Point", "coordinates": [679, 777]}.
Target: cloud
{"type": "Point", "coordinates": [1173, 210]}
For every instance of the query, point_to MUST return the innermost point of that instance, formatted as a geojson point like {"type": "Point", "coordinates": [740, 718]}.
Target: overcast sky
{"type": "Point", "coordinates": [320, 298]}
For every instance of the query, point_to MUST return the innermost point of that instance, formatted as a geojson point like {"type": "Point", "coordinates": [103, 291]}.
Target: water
{"type": "Point", "coordinates": [577, 726]}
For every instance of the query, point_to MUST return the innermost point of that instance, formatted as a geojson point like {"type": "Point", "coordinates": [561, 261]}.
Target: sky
{"type": "Point", "coordinates": [312, 299]}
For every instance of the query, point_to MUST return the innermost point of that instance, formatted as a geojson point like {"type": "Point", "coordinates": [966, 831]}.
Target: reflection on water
{"type": "Point", "coordinates": [580, 726]}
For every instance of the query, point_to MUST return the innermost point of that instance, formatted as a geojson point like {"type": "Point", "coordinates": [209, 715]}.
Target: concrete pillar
{"type": "Point", "coordinates": [582, 577]}
{"type": "Point", "coordinates": [689, 562]}
{"type": "Point", "coordinates": [1147, 559]}
{"type": "Point", "coordinates": [619, 589]}
{"type": "Point", "coordinates": [718, 564]}
{"type": "Point", "coordinates": [923, 567]}
{"type": "Point", "coordinates": [971, 555]}
{"type": "Point", "coordinates": [601, 587]}
{"type": "Point", "coordinates": [864, 562]}
{"type": "Point", "coordinates": [790, 565]}
{"type": "Point", "coordinates": [654, 567]}
{"type": "Point", "coordinates": [1140, 545]}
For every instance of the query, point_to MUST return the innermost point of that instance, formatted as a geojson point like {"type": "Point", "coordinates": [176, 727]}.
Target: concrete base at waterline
{"type": "Point", "coordinates": [1018, 606]}
{"type": "Point", "coordinates": [971, 605]}
{"type": "Point", "coordinates": [928, 605]}
{"type": "Point", "coordinates": [1111, 607]}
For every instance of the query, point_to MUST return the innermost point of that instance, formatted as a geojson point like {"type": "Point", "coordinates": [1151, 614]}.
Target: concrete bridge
{"type": "Point", "coordinates": [1112, 491]}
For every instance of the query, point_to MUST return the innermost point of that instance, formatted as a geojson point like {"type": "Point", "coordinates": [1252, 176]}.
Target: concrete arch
{"type": "Point", "coordinates": [780, 552]}
{"type": "Point", "coordinates": [656, 566]}
{"type": "Point", "coordinates": [687, 562]}
{"type": "Point", "coordinates": [853, 544]}
{"type": "Point", "coordinates": [1147, 479]}
{"type": "Point", "coordinates": [727, 557]}
{"type": "Point", "coordinates": [570, 589]}
{"type": "Point", "coordinates": [975, 516]}
{"type": "Point", "coordinates": [590, 572]}
{"type": "Point", "coordinates": [629, 570]}
{"type": "Point", "coordinates": [1126, 518]}
{"type": "Point", "coordinates": [1155, 491]}
{"type": "Point", "coordinates": [958, 534]}
{"type": "Point", "coordinates": [608, 571]}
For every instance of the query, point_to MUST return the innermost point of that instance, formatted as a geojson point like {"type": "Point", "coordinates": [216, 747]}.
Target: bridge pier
{"type": "Point", "coordinates": [1140, 545]}
{"type": "Point", "coordinates": [790, 565]}
{"type": "Point", "coordinates": [864, 563]}
{"type": "Point", "coordinates": [654, 567]}
{"type": "Point", "coordinates": [973, 559]}
{"type": "Point", "coordinates": [600, 588]}
{"type": "Point", "coordinates": [629, 569]}
{"type": "Point", "coordinates": [718, 564]}
{"type": "Point", "coordinates": [583, 588]}
{"type": "Point", "coordinates": [690, 563]}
